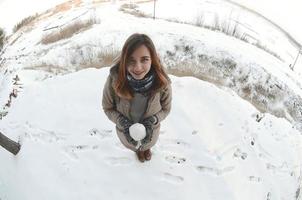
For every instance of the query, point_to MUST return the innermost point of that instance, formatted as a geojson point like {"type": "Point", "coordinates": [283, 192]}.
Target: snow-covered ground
{"type": "Point", "coordinates": [213, 145]}
{"type": "Point", "coordinates": [210, 147]}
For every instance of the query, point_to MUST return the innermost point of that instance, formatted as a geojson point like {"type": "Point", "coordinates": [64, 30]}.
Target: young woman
{"type": "Point", "coordinates": [137, 90]}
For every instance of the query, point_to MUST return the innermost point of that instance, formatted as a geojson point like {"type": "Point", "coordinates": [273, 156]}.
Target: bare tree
{"type": "Point", "coordinates": [9, 144]}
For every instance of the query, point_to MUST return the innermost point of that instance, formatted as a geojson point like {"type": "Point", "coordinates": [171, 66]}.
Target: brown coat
{"type": "Point", "coordinates": [159, 104]}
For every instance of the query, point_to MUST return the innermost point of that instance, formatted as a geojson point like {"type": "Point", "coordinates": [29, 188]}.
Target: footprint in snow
{"type": "Point", "coordinates": [175, 143]}
{"type": "Point", "coordinates": [240, 154]}
{"type": "Point", "coordinates": [215, 171]}
{"type": "Point", "coordinates": [255, 179]}
{"type": "Point", "coordinates": [174, 159]}
{"type": "Point", "coordinates": [118, 161]}
{"type": "Point", "coordinates": [173, 178]}
{"type": "Point", "coordinates": [44, 135]}
{"type": "Point", "coordinates": [220, 124]}
{"type": "Point", "coordinates": [101, 134]}
{"type": "Point", "coordinates": [73, 151]}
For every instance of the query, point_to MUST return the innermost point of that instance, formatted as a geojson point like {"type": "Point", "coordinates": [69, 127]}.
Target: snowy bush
{"type": "Point", "coordinates": [93, 56]}
{"type": "Point", "coordinates": [266, 92]}
{"type": "Point", "coordinates": [24, 22]}
{"type": "Point", "coordinates": [2, 38]}
{"type": "Point", "coordinates": [224, 25]}
{"type": "Point", "coordinates": [68, 31]}
{"type": "Point", "coordinates": [129, 6]}
{"type": "Point", "coordinates": [132, 9]}
{"type": "Point", "coordinates": [76, 57]}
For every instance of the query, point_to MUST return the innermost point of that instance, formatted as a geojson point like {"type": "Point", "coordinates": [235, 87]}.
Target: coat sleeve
{"type": "Point", "coordinates": [108, 101]}
{"type": "Point", "coordinates": [165, 101]}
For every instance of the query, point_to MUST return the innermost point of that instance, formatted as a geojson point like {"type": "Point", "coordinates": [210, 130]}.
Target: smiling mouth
{"type": "Point", "coordinates": [138, 74]}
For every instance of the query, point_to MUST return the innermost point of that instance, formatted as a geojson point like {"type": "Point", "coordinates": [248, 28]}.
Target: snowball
{"type": "Point", "coordinates": [137, 131]}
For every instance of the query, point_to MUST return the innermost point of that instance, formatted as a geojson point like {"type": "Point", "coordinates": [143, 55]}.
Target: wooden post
{"type": "Point", "coordinates": [154, 10]}
{"type": "Point", "coordinates": [300, 51]}
{"type": "Point", "coordinates": [9, 144]}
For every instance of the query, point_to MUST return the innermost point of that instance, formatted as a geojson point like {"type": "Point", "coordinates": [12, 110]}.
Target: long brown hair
{"type": "Point", "coordinates": [121, 85]}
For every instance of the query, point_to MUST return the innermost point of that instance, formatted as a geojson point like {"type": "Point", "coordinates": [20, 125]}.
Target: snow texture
{"type": "Point", "coordinates": [234, 131]}
{"type": "Point", "coordinates": [137, 131]}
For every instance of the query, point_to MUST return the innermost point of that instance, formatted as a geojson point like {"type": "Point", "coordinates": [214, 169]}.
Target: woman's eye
{"type": "Point", "coordinates": [145, 60]}
{"type": "Point", "coordinates": [131, 62]}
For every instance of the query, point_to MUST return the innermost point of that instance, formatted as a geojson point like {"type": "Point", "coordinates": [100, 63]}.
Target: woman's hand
{"type": "Point", "coordinates": [124, 123]}
{"type": "Point", "coordinates": [149, 123]}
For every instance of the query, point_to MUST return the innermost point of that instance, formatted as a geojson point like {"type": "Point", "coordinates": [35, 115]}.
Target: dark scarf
{"type": "Point", "coordinates": [143, 85]}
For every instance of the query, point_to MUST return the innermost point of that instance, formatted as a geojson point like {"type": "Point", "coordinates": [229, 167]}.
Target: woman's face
{"type": "Point", "coordinates": [139, 63]}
